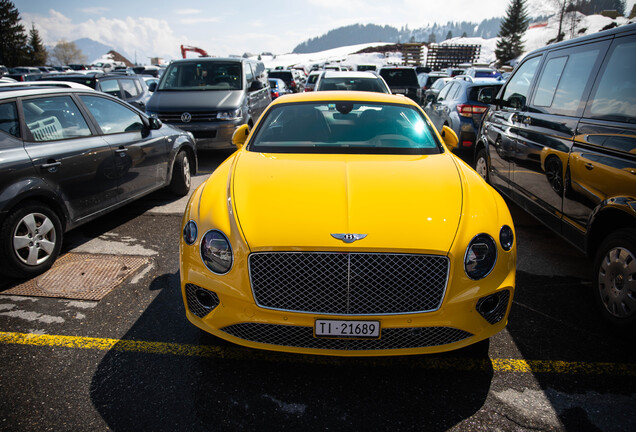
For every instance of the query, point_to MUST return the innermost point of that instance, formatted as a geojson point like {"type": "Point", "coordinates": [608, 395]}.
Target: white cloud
{"type": "Point", "coordinates": [199, 20]}
{"type": "Point", "coordinates": [147, 37]}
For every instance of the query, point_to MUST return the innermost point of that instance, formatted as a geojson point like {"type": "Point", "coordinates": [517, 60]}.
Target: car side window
{"type": "Point", "coordinates": [444, 92]}
{"type": "Point", "coordinates": [110, 87]}
{"type": "Point", "coordinates": [613, 97]}
{"type": "Point", "coordinates": [564, 79]}
{"type": "Point", "coordinates": [53, 118]}
{"type": "Point", "coordinates": [129, 88]}
{"type": "Point", "coordinates": [518, 85]}
{"type": "Point", "coordinates": [111, 116]}
{"type": "Point", "coordinates": [249, 76]}
{"type": "Point", "coordinates": [455, 92]}
{"type": "Point", "coordinates": [9, 122]}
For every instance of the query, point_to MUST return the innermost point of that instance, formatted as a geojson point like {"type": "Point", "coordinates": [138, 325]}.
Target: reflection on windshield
{"type": "Point", "coordinates": [345, 127]}
{"type": "Point", "coordinates": [206, 75]}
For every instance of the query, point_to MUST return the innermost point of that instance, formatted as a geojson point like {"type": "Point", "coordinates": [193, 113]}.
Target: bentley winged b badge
{"type": "Point", "coordinates": [349, 238]}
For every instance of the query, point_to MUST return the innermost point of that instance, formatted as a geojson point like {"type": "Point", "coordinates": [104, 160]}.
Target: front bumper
{"type": "Point", "coordinates": [457, 323]}
{"type": "Point", "coordinates": [212, 135]}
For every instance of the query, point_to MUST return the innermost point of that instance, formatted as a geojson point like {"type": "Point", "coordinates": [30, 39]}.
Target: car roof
{"type": "Point", "coordinates": [354, 96]}
{"type": "Point", "coordinates": [211, 59]}
{"type": "Point", "coordinates": [349, 74]}
{"type": "Point", "coordinates": [48, 83]}
{"type": "Point", "coordinates": [12, 92]}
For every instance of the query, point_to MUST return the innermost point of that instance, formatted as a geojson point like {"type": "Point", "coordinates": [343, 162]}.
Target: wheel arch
{"type": "Point", "coordinates": [614, 215]}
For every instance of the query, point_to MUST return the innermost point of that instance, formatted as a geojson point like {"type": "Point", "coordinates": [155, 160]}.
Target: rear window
{"type": "Point", "coordinates": [398, 77]}
{"type": "Point", "coordinates": [354, 84]}
{"type": "Point", "coordinates": [345, 127]}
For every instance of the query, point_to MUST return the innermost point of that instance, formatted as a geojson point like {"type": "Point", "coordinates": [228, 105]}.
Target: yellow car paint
{"type": "Point", "coordinates": [414, 204]}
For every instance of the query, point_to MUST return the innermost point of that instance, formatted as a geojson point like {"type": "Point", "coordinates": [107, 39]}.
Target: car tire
{"type": "Point", "coordinates": [30, 240]}
{"type": "Point", "coordinates": [181, 178]}
{"type": "Point", "coordinates": [614, 284]}
{"type": "Point", "coordinates": [554, 174]}
{"type": "Point", "coordinates": [481, 164]}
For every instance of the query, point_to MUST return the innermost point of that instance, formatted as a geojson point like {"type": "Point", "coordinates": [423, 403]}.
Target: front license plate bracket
{"type": "Point", "coordinates": [347, 329]}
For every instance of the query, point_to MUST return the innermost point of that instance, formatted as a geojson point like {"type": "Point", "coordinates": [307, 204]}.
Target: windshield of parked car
{"type": "Point", "coordinates": [202, 75]}
{"type": "Point", "coordinates": [358, 84]}
{"type": "Point", "coordinates": [397, 77]}
{"type": "Point", "coordinates": [345, 127]}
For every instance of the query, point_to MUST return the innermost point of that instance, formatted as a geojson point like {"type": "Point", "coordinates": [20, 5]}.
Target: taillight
{"type": "Point", "coordinates": [293, 84]}
{"type": "Point", "coordinates": [308, 89]}
{"type": "Point", "coordinates": [275, 94]}
{"type": "Point", "coordinates": [468, 110]}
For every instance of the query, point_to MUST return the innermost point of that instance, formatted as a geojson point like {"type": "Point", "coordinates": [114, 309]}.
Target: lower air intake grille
{"type": "Point", "coordinates": [303, 337]}
{"type": "Point", "coordinates": [200, 301]}
{"type": "Point", "coordinates": [494, 314]}
{"type": "Point", "coordinates": [348, 283]}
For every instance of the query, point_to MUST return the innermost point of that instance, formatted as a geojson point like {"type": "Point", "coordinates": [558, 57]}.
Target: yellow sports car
{"type": "Point", "coordinates": [343, 225]}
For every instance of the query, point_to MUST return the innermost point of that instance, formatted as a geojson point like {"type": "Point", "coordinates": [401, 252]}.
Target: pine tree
{"type": "Point", "coordinates": [37, 53]}
{"type": "Point", "coordinates": [449, 35]}
{"type": "Point", "coordinates": [513, 27]}
{"type": "Point", "coordinates": [13, 39]}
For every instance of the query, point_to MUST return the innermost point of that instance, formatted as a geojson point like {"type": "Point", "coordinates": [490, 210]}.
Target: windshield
{"type": "Point", "coordinates": [198, 75]}
{"type": "Point", "coordinates": [398, 77]}
{"type": "Point", "coordinates": [359, 84]}
{"type": "Point", "coordinates": [345, 127]}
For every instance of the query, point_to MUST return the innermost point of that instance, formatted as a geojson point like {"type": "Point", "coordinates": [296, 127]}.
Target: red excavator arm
{"type": "Point", "coordinates": [185, 48]}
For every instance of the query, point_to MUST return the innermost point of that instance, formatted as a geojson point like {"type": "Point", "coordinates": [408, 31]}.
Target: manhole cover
{"type": "Point", "coordinates": [81, 276]}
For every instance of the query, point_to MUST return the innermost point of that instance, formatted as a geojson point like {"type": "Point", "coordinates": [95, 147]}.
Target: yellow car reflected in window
{"type": "Point", "coordinates": [343, 225]}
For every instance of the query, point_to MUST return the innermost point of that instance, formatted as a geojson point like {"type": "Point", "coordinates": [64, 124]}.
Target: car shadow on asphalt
{"type": "Point", "coordinates": [238, 388]}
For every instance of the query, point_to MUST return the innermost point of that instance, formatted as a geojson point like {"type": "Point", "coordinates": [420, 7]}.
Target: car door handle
{"type": "Point", "coordinates": [589, 166]}
{"type": "Point", "coordinates": [527, 120]}
{"type": "Point", "coordinates": [51, 165]}
{"type": "Point", "coordinates": [121, 151]}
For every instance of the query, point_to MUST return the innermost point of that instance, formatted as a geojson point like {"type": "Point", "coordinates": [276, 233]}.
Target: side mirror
{"type": "Point", "coordinates": [450, 138]}
{"type": "Point", "coordinates": [155, 123]}
{"type": "Point", "coordinates": [240, 135]}
{"type": "Point", "coordinates": [486, 95]}
{"type": "Point", "coordinates": [256, 85]}
{"type": "Point", "coordinates": [152, 86]}
{"type": "Point", "coordinates": [430, 98]}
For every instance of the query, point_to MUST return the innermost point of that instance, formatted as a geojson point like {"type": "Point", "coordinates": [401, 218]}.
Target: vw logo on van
{"type": "Point", "coordinates": [186, 117]}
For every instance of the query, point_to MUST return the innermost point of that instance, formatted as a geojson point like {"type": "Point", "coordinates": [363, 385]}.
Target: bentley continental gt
{"type": "Point", "coordinates": [344, 225]}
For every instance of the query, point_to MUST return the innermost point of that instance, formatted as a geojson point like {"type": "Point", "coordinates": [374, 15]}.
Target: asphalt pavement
{"type": "Point", "coordinates": [132, 361]}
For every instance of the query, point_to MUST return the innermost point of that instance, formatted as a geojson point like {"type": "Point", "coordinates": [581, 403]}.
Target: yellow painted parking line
{"type": "Point", "coordinates": [237, 352]}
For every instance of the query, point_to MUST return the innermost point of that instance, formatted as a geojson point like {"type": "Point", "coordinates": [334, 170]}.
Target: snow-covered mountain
{"type": "Point", "coordinates": [539, 34]}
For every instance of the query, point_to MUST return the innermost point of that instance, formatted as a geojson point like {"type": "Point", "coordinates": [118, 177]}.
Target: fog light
{"type": "Point", "coordinates": [493, 307]}
{"type": "Point", "coordinates": [200, 301]}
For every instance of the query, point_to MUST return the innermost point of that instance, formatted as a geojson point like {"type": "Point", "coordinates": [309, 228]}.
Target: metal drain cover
{"type": "Point", "coordinates": [81, 276]}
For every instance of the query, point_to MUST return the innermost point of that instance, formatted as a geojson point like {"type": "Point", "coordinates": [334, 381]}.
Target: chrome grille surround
{"type": "Point", "coordinates": [348, 283]}
{"type": "Point", "coordinates": [303, 337]}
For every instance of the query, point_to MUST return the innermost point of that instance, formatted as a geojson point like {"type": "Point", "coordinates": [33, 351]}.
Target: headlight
{"type": "Point", "coordinates": [229, 115]}
{"type": "Point", "coordinates": [216, 252]}
{"type": "Point", "coordinates": [190, 232]}
{"type": "Point", "coordinates": [506, 238]}
{"type": "Point", "coordinates": [481, 256]}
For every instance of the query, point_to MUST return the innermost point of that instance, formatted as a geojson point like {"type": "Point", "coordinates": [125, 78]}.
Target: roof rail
{"type": "Point", "coordinates": [465, 78]}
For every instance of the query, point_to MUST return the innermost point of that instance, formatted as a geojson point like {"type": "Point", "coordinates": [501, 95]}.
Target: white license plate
{"type": "Point", "coordinates": [347, 329]}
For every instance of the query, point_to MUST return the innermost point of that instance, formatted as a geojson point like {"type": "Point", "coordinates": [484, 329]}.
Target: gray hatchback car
{"type": "Point", "coordinates": [68, 156]}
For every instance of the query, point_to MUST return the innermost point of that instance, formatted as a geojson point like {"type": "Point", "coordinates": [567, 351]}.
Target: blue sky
{"type": "Point", "coordinates": [157, 28]}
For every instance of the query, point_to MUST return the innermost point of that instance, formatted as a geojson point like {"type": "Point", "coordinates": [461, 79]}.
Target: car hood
{"type": "Point", "coordinates": [401, 203]}
{"type": "Point", "coordinates": [193, 101]}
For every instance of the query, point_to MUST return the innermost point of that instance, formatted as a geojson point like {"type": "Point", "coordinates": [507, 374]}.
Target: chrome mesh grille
{"type": "Point", "coordinates": [303, 337]}
{"type": "Point", "coordinates": [348, 283]}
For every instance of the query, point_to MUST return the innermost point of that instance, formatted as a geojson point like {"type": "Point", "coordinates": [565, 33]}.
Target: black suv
{"type": "Point", "coordinates": [131, 88]}
{"type": "Point", "coordinates": [560, 141]}
{"type": "Point", "coordinates": [288, 77]}
{"type": "Point", "coordinates": [403, 80]}
{"type": "Point", "coordinates": [68, 156]}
